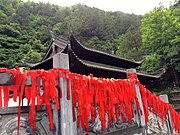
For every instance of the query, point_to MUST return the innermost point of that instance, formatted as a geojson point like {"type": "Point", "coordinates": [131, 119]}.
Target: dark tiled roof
{"type": "Point", "coordinates": [87, 61]}
{"type": "Point", "coordinates": [101, 57]}
{"type": "Point", "coordinates": [113, 68]}
{"type": "Point", "coordinates": [92, 60]}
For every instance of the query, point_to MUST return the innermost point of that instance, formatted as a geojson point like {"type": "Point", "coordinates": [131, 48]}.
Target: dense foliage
{"type": "Point", "coordinates": [25, 26]}
{"type": "Point", "coordinates": [161, 40]}
{"type": "Point", "coordinates": [25, 32]}
{"type": "Point", "coordinates": [161, 37]}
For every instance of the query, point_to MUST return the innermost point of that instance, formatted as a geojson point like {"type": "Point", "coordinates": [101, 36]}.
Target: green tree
{"type": "Point", "coordinates": [161, 36]}
{"type": "Point", "coordinates": [129, 44]}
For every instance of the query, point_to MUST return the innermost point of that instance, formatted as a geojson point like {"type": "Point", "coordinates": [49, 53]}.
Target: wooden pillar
{"type": "Point", "coordinates": [67, 126]}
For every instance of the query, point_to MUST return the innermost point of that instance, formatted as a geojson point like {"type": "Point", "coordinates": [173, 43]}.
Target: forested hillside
{"type": "Point", "coordinates": [25, 26]}
{"type": "Point", "coordinates": [25, 32]}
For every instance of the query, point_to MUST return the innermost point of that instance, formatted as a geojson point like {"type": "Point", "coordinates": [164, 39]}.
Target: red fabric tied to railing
{"type": "Point", "coordinates": [159, 107]}
{"type": "Point", "coordinates": [108, 98]}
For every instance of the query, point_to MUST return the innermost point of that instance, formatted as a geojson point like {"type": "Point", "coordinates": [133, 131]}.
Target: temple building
{"type": "Point", "coordinates": [85, 61]}
{"type": "Point", "coordinates": [82, 60]}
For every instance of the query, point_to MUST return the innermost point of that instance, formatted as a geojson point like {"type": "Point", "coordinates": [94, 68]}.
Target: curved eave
{"type": "Point", "coordinates": [101, 57]}
{"type": "Point", "coordinates": [81, 67]}
{"type": "Point", "coordinates": [110, 69]}
{"type": "Point", "coordinates": [45, 64]}
{"type": "Point", "coordinates": [114, 69]}
{"type": "Point", "coordinates": [155, 76]}
{"type": "Point", "coordinates": [30, 64]}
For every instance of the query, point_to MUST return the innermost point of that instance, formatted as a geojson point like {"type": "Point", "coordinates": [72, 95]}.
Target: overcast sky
{"type": "Point", "coordinates": [126, 6]}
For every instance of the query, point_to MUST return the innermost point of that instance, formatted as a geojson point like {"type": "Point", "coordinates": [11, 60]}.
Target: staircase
{"type": "Point", "coordinates": [175, 99]}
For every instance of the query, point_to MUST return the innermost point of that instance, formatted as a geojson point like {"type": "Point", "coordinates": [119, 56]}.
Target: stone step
{"type": "Point", "coordinates": [175, 93]}
{"type": "Point", "coordinates": [176, 105]}
{"type": "Point", "coordinates": [175, 100]}
{"type": "Point", "coordinates": [177, 110]}
{"type": "Point", "coordinates": [174, 96]}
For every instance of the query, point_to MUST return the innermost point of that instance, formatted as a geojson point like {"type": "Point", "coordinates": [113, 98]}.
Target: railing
{"type": "Point", "coordinates": [65, 124]}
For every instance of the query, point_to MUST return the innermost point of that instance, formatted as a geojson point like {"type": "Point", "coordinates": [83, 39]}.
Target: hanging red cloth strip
{"type": "Point", "coordinates": [46, 96]}
{"type": "Point", "coordinates": [6, 90]}
{"type": "Point", "coordinates": [144, 101]}
{"type": "Point", "coordinates": [32, 111]}
{"type": "Point", "coordinates": [38, 88]}
{"type": "Point", "coordinates": [52, 84]}
{"type": "Point", "coordinates": [1, 96]}
{"type": "Point", "coordinates": [21, 92]}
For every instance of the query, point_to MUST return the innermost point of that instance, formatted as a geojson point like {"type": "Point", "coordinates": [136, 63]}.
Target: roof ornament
{"type": "Point", "coordinates": [51, 33]}
{"type": "Point", "coordinates": [53, 47]}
